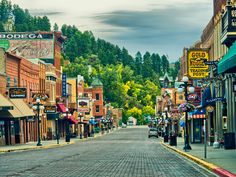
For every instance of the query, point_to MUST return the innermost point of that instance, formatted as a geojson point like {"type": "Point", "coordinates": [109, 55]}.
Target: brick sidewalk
{"type": "Point", "coordinates": [45, 144]}
{"type": "Point", "coordinates": [220, 161]}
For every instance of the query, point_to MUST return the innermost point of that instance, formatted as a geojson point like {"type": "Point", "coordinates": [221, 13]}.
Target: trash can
{"type": "Point", "coordinates": [229, 140]}
{"type": "Point", "coordinates": [67, 138]}
{"type": "Point", "coordinates": [173, 140]}
{"type": "Point", "coordinates": [166, 138]}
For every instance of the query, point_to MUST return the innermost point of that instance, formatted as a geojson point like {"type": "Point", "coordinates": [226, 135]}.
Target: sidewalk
{"type": "Point", "coordinates": [220, 161]}
{"type": "Point", "coordinates": [46, 144]}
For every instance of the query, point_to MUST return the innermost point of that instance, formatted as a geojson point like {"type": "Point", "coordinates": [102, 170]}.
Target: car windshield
{"type": "Point", "coordinates": [153, 129]}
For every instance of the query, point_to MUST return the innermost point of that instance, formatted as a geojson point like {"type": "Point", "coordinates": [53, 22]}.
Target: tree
{"type": "Point", "coordinates": [147, 65]}
{"type": "Point", "coordinates": [136, 113]}
{"type": "Point", "coordinates": [138, 63]}
{"type": "Point", "coordinates": [55, 27]}
{"type": "Point", "coordinates": [165, 64]}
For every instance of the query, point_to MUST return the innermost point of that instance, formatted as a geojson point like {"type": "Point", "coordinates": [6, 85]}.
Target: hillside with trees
{"type": "Point", "coordinates": [131, 83]}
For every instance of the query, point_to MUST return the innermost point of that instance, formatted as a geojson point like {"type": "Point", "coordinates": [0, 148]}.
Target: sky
{"type": "Point", "coordinates": [158, 26]}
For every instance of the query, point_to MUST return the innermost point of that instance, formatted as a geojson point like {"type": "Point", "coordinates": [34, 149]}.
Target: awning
{"type": "Point", "coordinates": [5, 104]}
{"type": "Point", "coordinates": [228, 62]}
{"type": "Point", "coordinates": [61, 107]}
{"type": "Point", "coordinates": [22, 107]}
{"type": "Point", "coordinates": [72, 120]}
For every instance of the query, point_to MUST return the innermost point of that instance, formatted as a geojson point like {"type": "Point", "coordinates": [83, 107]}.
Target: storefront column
{"type": "Point", "coordinates": [233, 107]}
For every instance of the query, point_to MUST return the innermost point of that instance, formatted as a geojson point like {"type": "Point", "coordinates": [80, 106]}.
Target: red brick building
{"type": "Point", "coordinates": [97, 95]}
{"type": "Point", "coordinates": [3, 80]}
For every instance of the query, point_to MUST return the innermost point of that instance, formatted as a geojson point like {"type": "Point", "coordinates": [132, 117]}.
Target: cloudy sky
{"type": "Point", "coordinates": [159, 26]}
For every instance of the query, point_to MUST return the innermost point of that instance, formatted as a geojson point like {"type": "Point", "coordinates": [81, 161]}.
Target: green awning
{"type": "Point", "coordinates": [228, 62]}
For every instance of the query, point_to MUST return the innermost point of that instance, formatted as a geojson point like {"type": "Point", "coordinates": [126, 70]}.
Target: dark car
{"type": "Point", "coordinates": [152, 132]}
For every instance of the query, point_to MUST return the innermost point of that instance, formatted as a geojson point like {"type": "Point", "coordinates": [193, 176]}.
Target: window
{"type": "Point", "coordinates": [97, 108]}
{"type": "Point", "coordinates": [8, 81]}
{"type": "Point", "coordinates": [15, 82]}
{"type": "Point", "coordinates": [97, 96]}
{"type": "Point", "coordinates": [181, 97]}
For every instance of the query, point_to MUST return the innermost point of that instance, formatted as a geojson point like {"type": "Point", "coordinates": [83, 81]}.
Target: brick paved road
{"type": "Point", "coordinates": [124, 153]}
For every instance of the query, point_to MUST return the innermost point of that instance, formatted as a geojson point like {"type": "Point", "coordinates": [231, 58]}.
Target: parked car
{"type": "Point", "coordinates": [124, 125]}
{"type": "Point", "coordinates": [152, 132]}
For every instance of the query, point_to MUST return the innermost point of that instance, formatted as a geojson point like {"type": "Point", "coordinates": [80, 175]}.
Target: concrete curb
{"type": "Point", "coordinates": [212, 167]}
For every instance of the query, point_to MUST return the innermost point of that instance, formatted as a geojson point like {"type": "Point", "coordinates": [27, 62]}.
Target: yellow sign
{"type": "Point", "coordinates": [197, 68]}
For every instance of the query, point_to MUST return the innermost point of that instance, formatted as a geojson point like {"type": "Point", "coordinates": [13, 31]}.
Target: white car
{"type": "Point", "coordinates": [152, 131]}
{"type": "Point", "coordinates": [124, 125]}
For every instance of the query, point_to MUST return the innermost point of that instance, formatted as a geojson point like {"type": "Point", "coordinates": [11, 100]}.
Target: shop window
{"type": "Point", "coordinates": [181, 97]}
{"type": "Point", "coordinates": [97, 96]}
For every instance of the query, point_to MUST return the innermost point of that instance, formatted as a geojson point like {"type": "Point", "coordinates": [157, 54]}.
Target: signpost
{"type": "Point", "coordinates": [197, 69]}
{"type": "Point", "coordinates": [50, 109]}
{"type": "Point", "coordinates": [215, 99]}
{"type": "Point", "coordinates": [18, 92]}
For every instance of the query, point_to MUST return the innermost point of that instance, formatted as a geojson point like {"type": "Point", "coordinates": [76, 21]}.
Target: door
{"type": "Point", "coordinates": [2, 134]}
{"type": "Point", "coordinates": [197, 130]}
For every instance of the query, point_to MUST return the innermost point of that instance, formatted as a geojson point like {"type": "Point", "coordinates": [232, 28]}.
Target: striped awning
{"type": "Point", "coordinates": [198, 116]}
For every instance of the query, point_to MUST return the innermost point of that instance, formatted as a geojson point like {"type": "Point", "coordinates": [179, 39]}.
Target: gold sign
{"type": "Point", "coordinates": [17, 92]}
{"type": "Point", "coordinates": [197, 68]}
{"type": "Point", "coordinates": [50, 109]}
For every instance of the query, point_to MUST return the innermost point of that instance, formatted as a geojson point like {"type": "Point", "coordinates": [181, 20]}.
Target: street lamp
{"type": "Point", "coordinates": [80, 116]}
{"type": "Point", "coordinates": [184, 87]}
{"type": "Point", "coordinates": [166, 128]}
{"type": "Point", "coordinates": [57, 130]}
{"type": "Point", "coordinates": [38, 107]}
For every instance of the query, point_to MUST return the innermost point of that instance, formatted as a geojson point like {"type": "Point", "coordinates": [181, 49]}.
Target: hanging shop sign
{"type": "Point", "coordinates": [209, 108]}
{"type": "Point", "coordinates": [228, 27]}
{"type": "Point", "coordinates": [17, 92]}
{"type": "Point", "coordinates": [50, 109]}
{"type": "Point", "coordinates": [83, 105]}
{"type": "Point", "coordinates": [64, 89]}
{"type": "Point", "coordinates": [197, 69]}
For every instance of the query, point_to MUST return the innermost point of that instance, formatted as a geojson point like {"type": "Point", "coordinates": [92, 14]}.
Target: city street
{"type": "Point", "coordinates": [127, 152]}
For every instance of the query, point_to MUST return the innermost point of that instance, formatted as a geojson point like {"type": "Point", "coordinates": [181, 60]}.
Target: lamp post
{"type": "Point", "coordinates": [67, 126]}
{"type": "Point", "coordinates": [191, 90]}
{"type": "Point", "coordinates": [80, 126]}
{"type": "Point", "coordinates": [38, 107]}
{"type": "Point", "coordinates": [57, 131]}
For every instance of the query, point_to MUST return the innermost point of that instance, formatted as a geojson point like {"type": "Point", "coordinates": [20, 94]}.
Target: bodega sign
{"type": "Point", "coordinates": [15, 36]}
{"type": "Point", "coordinates": [197, 68]}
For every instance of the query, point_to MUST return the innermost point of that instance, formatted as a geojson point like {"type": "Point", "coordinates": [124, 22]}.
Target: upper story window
{"type": "Point", "coordinates": [97, 108]}
{"type": "Point", "coordinates": [8, 81]}
{"type": "Point", "coordinates": [97, 96]}
{"type": "Point", "coordinates": [15, 82]}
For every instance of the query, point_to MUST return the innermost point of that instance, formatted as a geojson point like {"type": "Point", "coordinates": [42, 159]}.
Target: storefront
{"type": "Point", "coordinates": [5, 106]}
{"type": "Point", "coordinates": [226, 109]}
{"type": "Point", "coordinates": [197, 121]}
{"type": "Point", "coordinates": [24, 129]}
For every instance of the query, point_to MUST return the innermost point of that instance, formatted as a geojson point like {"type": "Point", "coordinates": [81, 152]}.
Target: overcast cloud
{"type": "Point", "coordinates": [159, 26]}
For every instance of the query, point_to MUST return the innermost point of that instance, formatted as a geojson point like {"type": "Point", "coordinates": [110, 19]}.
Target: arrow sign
{"type": "Point", "coordinates": [211, 62]}
{"type": "Point", "coordinates": [215, 99]}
